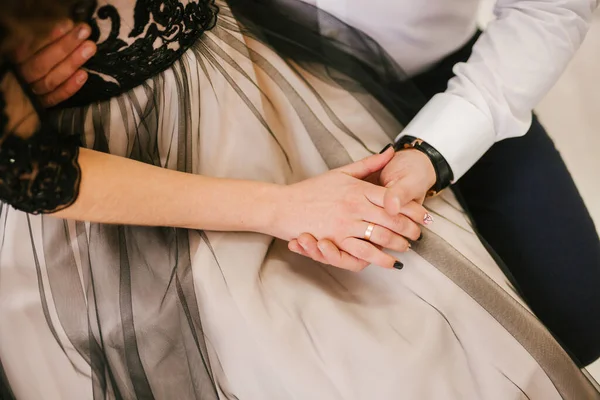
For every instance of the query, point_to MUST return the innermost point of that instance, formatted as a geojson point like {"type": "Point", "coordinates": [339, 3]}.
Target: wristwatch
{"type": "Point", "coordinates": [443, 172]}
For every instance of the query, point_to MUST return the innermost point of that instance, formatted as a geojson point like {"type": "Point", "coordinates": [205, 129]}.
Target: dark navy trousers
{"type": "Point", "coordinates": [527, 210]}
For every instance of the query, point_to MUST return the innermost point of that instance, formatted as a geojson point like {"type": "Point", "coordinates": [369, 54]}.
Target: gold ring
{"type": "Point", "coordinates": [369, 231]}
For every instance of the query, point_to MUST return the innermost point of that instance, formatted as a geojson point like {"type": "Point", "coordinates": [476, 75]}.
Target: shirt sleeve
{"type": "Point", "coordinates": [514, 63]}
{"type": "Point", "coordinates": [38, 167]}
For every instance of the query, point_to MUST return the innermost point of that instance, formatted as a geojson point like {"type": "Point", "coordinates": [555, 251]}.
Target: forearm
{"type": "Point", "coordinates": [118, 190]}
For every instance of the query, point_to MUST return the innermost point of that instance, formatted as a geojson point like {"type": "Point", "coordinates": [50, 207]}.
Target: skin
{"type": "Point", "coordinates": [334, 205]}
{"type": "Point", "coordinates": [53, 66]}
{"type": "Point", "coordinates": [54, 69]}
{"type": "Point", "coordinates": [407, 178]}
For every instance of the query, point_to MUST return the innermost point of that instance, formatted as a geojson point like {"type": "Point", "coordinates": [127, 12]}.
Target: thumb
{"type": "Point", "coordinates": [367, 166]}
{"type": "Point", "coordinates": [396, 196]}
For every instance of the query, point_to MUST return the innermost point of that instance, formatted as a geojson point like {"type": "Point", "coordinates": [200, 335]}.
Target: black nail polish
{"type": "Point", "coordinates": [420, 237]}
{"type": "Point", "coordinates": [385, 148]}
{"type": "Point", "coordinates": [398, 265]}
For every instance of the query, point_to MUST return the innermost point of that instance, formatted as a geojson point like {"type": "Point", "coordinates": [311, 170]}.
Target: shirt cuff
{"type": "Point", "coordinates": [455, 128]}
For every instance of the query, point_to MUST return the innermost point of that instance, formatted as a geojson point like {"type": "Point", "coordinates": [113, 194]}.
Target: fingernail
{"type": "Point", "coordinates": [87, 51]}
{"type": "Point", "coordinates": [81, 77]}
{"type": "Point", "coordinates": [320, 247]}
{"type": "Point", "coordinates": [398, 265]}
{"type": "Point", "coordinates": [428, 219]}
{"type": "Point", "coordinates": [420, 237]}
{"type": "Point", "coordinates": [83, 33]}
{"type": "Point", "coordinates": [385, 148]}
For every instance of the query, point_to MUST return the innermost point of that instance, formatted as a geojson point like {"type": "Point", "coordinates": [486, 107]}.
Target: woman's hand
{"type": "Point", "coordinates": [52, 65]}
{"type": "Point", "coordinates": [407, 177]}
{"type": "Point", "coordinates": [326, 252]}
{"type": "Point", "coordinates": [339, 206]}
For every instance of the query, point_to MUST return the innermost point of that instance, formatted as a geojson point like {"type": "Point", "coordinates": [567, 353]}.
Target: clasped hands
{"type": "Point", "coordinates": [378, 198]}
{"type": "Point", "coordinates": [327, 218]}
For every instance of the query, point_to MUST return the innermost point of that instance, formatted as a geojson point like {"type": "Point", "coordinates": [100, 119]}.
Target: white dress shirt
{"type": "Point", "coordinates": [514, 63]}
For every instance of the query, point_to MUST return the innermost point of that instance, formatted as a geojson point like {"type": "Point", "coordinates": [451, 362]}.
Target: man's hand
{"type": "Point", "coordinates": [407, 177]}
{"type": "Point", "coordinates": [52, 65]}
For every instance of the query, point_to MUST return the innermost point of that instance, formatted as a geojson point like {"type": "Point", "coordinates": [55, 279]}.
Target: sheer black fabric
{"type": "Point", "coordinates": [135, 319]}
{"type": "Point", "coordinates": [130, 312]}
{"type": "Point", "coordinates": [5, 392]}
{"type": "Point", "coordinates": [331, 50]}
{"type": "Point", "coordinates": [38, 166]}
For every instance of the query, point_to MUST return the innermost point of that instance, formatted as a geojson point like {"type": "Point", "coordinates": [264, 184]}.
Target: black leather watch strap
{"type": "Point", "coordinates": [443, 172]}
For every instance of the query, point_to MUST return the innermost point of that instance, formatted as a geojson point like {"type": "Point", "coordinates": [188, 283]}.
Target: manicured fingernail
{"type": "Point", "coordinates": [84, 32]}
{"type": "Point", "coordinates": [87, 51]}
{"type": "Point", "coordinates": [385, 148]}
{"type": "Point", "coordinates": [428, 219]}
{"type": "Point", "coordinates": [81, 77]}
{"type": "Point", "coordinates": [420, 237]}
{"type": "Point", "coordinates": [398, 265]}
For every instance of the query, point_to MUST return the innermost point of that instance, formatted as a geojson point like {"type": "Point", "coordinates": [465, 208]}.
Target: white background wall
{"type": "Point", "coordinates": [571, 114]}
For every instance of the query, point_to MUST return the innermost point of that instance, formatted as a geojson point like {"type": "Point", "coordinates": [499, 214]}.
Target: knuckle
{"type": "Point", "coordinates": [33, 70]}
{"type": "Point", "coordinates": [48, 83]}
{"type": "Point", "coordinates": [39, 67]}
{"type": "Point", "coordinates": [362, 252]}
{"type": "Point", "coordinates": [400, 222]}
{"type": "Point", "coordinates": [64, 47]}
{"type": "Point", "coordinates": [386, 238]}
{"type": "Point", "coordinates": [414, 233]}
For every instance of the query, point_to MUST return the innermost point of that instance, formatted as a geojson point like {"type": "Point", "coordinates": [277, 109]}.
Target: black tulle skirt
{"type": "Point", "coordinates": [277, 91]}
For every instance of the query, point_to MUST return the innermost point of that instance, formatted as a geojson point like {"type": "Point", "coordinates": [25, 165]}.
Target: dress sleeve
{"type": "Point", "coordinates": [38, 166]}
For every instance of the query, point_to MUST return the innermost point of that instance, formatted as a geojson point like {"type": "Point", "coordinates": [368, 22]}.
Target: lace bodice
{"type": "Point", "coordinates": [136, 40]}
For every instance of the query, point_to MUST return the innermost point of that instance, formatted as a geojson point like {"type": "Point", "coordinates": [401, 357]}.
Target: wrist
{"type": "Point", "coordinates": [443, 172]}
{"type": "Point", "coordinates": [426, 165]}
{"type": "Point", "coordinates": [228, 205]}
{"type": "Point", "coordinates": [263, 208]}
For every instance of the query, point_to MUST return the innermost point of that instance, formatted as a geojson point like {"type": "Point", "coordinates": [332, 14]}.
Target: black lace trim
{"type": "Point", "coordinates": [39, 174]}
{"type": "Point", "coordinates": [164, 30]}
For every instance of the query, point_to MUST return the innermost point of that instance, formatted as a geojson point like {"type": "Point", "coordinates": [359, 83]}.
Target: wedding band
{"type": "Point", "coordinates": [369, 232]}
